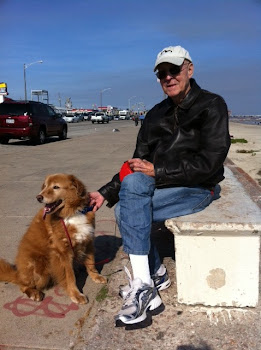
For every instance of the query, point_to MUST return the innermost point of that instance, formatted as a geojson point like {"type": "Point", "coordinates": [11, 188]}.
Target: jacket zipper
{"type": "Point", "coordinates": [176, 120]}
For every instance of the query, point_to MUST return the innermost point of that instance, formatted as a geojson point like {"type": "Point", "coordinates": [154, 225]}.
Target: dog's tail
{"type": "Point", "coordinates": [8, 272]}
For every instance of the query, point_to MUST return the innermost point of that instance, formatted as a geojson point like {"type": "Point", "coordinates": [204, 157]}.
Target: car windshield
{"type": "Point", "coordinates": [13, 109]}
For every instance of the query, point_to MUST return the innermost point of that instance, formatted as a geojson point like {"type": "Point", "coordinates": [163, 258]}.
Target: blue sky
{"type": "Point", "coordinates": [91, 45]}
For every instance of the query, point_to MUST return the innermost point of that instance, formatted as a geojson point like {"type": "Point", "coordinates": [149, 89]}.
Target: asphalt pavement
{"type": "Point", "coordinates": [94, 153]}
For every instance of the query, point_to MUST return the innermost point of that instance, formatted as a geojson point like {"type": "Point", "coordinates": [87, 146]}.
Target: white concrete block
{"type": "Point", "coordinates": [218, 249]}
{"type": "Point", "coordinates": [218, 268]}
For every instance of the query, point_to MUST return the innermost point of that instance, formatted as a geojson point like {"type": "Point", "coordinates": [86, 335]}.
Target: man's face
{"type": "Point", "coordinates": [176, 85]}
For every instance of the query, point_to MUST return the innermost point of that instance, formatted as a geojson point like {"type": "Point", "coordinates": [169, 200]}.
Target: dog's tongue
{"type": "Point", "coordinates": [46, 210]}
{"type": "Point", "coordinates": [50, 207]}
{"type": "Point", "coordinates": [44, 213]}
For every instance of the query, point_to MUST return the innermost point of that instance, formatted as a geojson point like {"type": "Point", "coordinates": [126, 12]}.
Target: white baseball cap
{"type": "Point", "coordinates": [172, 54]}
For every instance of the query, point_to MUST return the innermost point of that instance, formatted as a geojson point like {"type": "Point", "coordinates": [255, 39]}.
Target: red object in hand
{"type": "Point", "coordinates": [125, 170]}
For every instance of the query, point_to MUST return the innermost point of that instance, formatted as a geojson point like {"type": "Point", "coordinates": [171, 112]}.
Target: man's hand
{"type": "Point", "coordinates": [96, 200]}
{"type": "Point", "coordinates": [142, 165]}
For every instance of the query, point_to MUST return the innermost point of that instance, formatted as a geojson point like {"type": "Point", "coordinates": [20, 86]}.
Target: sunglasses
{"type": "Point", "coordinates": [174, 70]}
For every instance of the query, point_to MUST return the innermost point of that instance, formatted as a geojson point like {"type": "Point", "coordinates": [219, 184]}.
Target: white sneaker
{"type": "Point", "coordinates": [161, 282]}
{"type": "Point", "coordinates": [140, 298]}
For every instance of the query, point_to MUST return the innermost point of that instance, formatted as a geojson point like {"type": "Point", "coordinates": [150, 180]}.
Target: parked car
{"type": "Point", "coordinates": [71, 118]}
{"type": "Point", "coordinates": [100, 117]}
{"type": "Point", "coordinates": [30, 120]}
{"type": "Point", "coordinates": [88, 115]}
{"type": "Point", "coordinates": [81, 117]}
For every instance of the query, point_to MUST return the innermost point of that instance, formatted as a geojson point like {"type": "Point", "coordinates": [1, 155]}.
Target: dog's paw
{"type": "Point", "coordinates": [35, 295]}
{"type": "Point", "coordinates": [100, 279]}
{"type": "Point", "coordinates": [79, 299]}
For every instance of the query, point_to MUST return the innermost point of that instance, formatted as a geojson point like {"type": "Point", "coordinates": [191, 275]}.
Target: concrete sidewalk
{"type": "Point", "coordinates": [56, 322]}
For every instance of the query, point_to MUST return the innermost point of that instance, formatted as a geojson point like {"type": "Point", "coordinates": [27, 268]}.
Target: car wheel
{"type": "Point", "coordinates": [63, 135]}
{"type": "Point", "coordinates": [4, 140]}
{"type": "Point", "coordinates": [41, 137]}
{"type": "Point", "coordinates": [107, 121]}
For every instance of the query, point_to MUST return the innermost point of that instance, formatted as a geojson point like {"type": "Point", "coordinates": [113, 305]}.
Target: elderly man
{"type": "Point", "coordinates": [176, 166]}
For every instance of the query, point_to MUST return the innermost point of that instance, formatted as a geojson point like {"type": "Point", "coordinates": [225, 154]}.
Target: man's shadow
{"type": "Point", "coordinates": [163, 240]}
{"type": "Point", "coordinates": [106, 248]}
{"type": "Point", "coordinates": [204, 346]}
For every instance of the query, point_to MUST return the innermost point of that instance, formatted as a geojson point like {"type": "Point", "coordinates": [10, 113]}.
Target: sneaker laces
{"type": "Point", "coordinates": [133, 286]}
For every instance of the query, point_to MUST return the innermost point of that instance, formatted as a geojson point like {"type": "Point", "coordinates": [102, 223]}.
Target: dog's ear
{"type": "Point", "coordinates": [45, 181]}
{"type": "Point", "coordinates": [81, 190]}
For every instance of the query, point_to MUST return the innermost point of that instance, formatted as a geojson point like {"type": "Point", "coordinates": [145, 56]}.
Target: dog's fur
{"type": "Point", "coordinates": [45, 254]}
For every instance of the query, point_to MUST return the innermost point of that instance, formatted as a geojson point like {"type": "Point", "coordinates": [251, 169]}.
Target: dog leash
{"type": "Point", "coordinates": [84, 211]}
{"type": "Point", "coordinates": [67, 234]}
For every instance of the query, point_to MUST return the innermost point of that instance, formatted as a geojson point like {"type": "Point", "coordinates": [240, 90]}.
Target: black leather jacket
{"type": "Point", "coordinates": [187, 143]}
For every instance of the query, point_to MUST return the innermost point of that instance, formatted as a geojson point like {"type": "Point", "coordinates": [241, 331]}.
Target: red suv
{"type": "Point", "coordinates": [30, 120]}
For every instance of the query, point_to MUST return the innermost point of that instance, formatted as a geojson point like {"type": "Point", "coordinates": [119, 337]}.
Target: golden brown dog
{"type": "Point", "coordinates": [60, 232]}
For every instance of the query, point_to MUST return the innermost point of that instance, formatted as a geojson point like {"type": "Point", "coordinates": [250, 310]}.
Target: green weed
{"type": "Point", "coordinates": [239, 141]}
{"type": "Point", "coordinates": [247, 151]}
{"type": "Point", "coordinates": [103, 293]}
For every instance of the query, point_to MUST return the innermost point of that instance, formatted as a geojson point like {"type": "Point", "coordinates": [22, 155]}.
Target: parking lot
{"type": "Point", "coordinates": [81, 129]}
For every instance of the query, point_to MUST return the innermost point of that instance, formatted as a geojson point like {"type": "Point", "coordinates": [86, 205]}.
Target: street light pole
{"type": "Point", "coordinates": [25, 93]}
{"type": "Point", "coordinates": [101, 92]}
{"type": "Point", "coordinates": [25, 67]}
{"type": "Point", "coordinates": [130, 100]}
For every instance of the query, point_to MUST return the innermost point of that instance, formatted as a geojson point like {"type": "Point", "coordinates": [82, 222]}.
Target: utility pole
{"type": "Point", "coordinates": [59, 99]}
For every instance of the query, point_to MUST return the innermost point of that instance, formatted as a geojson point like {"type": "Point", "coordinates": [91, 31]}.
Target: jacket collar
{"type": "Point", "coordinates": [191, 96]}
{"type": "Point", "coordinates": [189, 99]}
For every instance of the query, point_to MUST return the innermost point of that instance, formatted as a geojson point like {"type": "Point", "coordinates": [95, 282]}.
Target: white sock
{"type": "Point", "coordinates": [161, 270]}
{"type": "Point", "coordinates": [140, 268]}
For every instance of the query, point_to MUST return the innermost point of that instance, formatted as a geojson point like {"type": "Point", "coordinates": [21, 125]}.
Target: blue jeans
{"type": "Point", "coordinates": [141, 204]}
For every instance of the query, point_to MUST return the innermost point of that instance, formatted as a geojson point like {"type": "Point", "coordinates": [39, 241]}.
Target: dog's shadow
{"type": "Point", "coordinates": [106, 248]}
